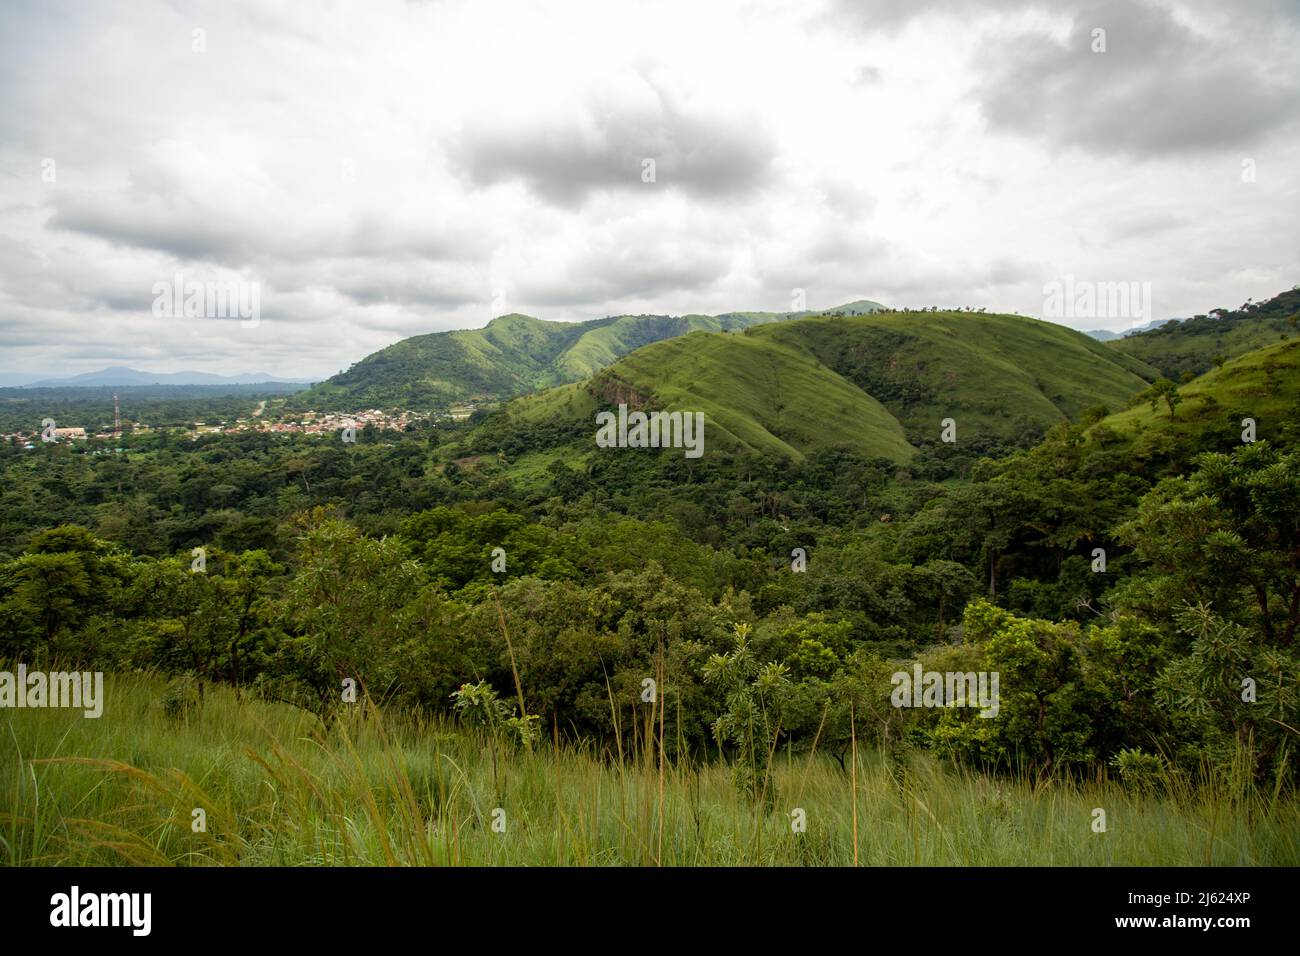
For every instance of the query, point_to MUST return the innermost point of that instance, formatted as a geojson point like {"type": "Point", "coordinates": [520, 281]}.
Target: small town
{"type": "Point", "coordinates": [317, 423]}
{"type": "Point", "coordinates": [305, 423]}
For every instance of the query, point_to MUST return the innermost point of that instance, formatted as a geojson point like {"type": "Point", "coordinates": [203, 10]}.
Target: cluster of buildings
{"type": "Point", "coordinates": [321, 423]}
{"type": "Point", "coordinates": [308, 423]}
{"type": "Point", "coordinates": [30, 438]}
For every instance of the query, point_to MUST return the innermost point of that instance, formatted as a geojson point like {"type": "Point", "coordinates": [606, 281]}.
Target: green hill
{"type": "Point", "coordinates": [1193, 345]}
{"type": "Point", "coordinates": [1263, 385]}
{"type": "Point", "coordinates": [998, 376]}
{"type": "Point", "coordinates": [512, 355]}
{"type": "Point", "coordinates": [879, 384]}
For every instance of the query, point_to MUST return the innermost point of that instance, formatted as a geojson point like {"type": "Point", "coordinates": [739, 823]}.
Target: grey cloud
{"type": "Point", "coordinates": [1159, 87]}
{"type": "Point", "coordinates": [176, 226]}
{"type": "Point", "coordinates": [892, 15]}
{"type": "Point", "coordinates": [847, 200]}
{"type": "Point", "coordinates": [867, 75]}
{"type": "Point", "coordinates": [711, 156]}
{"type": "Point", "coordinates": [646, 269]}
{"type": "Point", "coordinates": [377, 290]}
{"type": "Point", "coordinates": [214, 230]}
{"type": "Point", "coordinates": [1005, 271]}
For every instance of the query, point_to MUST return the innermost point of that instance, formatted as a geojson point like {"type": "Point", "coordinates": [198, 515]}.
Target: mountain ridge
{"type": "Point", "coordinates": [880, 384]}
{"type": "Point", "coordinates": [1195, 345]}
{"type": "Point", "coordinates": [515, 354]}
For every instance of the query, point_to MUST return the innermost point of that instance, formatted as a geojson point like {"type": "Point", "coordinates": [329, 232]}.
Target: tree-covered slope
{"type": "Point", "coordinates": [1194, 345]}
{"type": "Point", "coordinates": [506, 357]}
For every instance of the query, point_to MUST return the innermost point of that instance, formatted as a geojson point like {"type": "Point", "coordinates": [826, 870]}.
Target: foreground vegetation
{"type": "Point", "coordinates": [1131, 575]}
{"type": "Point", "coordinates": [279, 786]}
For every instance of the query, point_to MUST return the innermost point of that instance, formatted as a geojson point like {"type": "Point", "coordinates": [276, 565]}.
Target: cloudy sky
{"type": "Point", "coordinates": [381, 169]}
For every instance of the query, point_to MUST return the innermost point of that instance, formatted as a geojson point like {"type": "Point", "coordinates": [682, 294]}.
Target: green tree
{"type": "Point", "coordinates": [1227, 537]}
{"type": "Point", "coordinates": [1162, 390]}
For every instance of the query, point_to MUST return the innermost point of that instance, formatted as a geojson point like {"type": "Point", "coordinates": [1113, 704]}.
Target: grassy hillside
{"type": "Point", "coordinates": [605, 344]}
{"type": "Point", "coordinates": [1263, 385]}
{"type": "Point", "coordinates": [281, 787]}
{"type": "Point", "coordinates": [759, 394]}
{"type": "Point", "coordinates": [512, 355]}
{"type": "Point", "coordinates": [877, 384]}
{"type": "Point", "coordinates": [998, 376]}
{"type": "Point", "coordinates": [503, 358]}
{"type": "Point", "coordinates": [1193, 345]}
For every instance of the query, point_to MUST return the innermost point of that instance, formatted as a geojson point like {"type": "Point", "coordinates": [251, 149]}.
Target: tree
{"type": "Point", "coordinates": [1164, 390]}
{"type": "Point", "coordinates": [1228, 537]}
{"type": "Point", "coordinates": [1209, 688]}
{"type": "Point", "coordinates": [50, 590]}
{"type": "Point", "coordinates": [346, 609]}
{"type": "Point", "coordinates": [752, 718]}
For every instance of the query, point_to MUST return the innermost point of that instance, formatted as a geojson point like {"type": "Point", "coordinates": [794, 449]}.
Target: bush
{"type": "Point", "coordinates": [182, 697]}
{"type": "Point", "coordinates": [1141, 771]}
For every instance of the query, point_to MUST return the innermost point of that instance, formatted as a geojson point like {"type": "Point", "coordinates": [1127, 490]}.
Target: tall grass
{"type": "Point", "coordinates": [281, 787]}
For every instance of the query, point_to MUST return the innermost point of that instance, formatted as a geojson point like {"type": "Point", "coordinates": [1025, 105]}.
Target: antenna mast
{"type": "Point", "coordinates": [117, 418]}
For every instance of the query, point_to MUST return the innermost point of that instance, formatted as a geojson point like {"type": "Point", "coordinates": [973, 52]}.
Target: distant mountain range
{"type": "Point", "coordinates": [123, 376]}
{"type": "Point", "coordinates": [1106, 335]}
{"type": "Point", "coordinates": [515, 354]}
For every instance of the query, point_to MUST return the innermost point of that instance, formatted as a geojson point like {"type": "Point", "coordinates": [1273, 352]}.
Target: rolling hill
{"type": "Point", "coordinates": [879, 384]}
{"type": "Point", "coordinates": [1193, 344]}
{"type": "Point", "coordinates": [514, 354]}
{"type": "Point", "coordinates": [1263, 385]}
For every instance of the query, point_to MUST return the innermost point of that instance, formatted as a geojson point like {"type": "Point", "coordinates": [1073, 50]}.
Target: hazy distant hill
{"type": "Point", "coordinates": [1193, 344]}
{"type": "Point", "coordinates": [121, 375]}
{"type": "Point", "coordinates": [515, 354]}
{"type": "Point", "coordinates": [876, 383]}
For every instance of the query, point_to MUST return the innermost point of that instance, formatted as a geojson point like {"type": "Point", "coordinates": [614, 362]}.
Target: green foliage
{"type": "Point", "coordinates": [1196, 345]}
{"type": "Point", "coordinates": [375, 562]}
{"type": "Point", "coordinates": [512, 355]}
{"type": "Point", "coordinates": [1139, 770]}
{"type": "Point", "coordinates": [1233, 690]}
{"type": "Point", "coordinates": [478, 705]}
{"type": "Point", "coordinates": [751, 719]}
{"type": "Point", "coordinates": [182, 697]}
{"type": "Point", "coordinates": [1225, 537]}
{"type": "Point", "coordinates": [284, 788]}
{"type": "Point", "coordinates": [878, 384]}
{"type": "Point", "coordinates": [1162, 390]}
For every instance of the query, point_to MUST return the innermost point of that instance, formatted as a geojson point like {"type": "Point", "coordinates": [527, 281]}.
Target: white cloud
{"type": "Point", "coordinates": [385, 169]}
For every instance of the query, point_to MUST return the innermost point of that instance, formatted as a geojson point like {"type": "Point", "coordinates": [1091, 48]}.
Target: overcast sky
{"type": "Point", "coordinates": [382, 169]}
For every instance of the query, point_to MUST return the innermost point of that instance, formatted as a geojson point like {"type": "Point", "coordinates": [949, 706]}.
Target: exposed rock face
{"type": "Point", "coordinates": [613, 390]}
